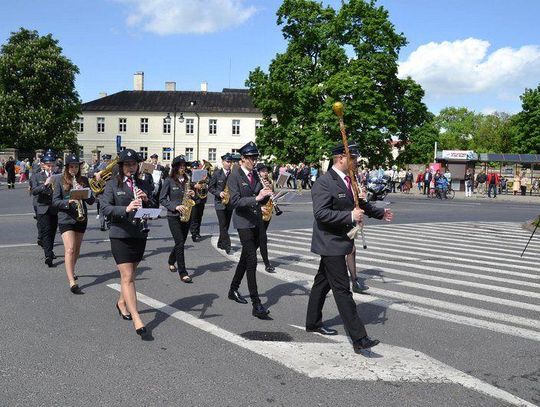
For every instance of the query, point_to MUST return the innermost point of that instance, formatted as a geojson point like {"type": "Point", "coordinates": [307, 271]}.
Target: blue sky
{"type": "Point", "coordinates": [479, 54]}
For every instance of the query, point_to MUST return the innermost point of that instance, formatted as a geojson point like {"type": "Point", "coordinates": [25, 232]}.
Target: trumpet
{"type": "Point", "coordinates": [80, 209]}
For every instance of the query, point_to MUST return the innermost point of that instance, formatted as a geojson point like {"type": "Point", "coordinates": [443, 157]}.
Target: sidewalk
{"type": "Point", "coordinates": [460, 195]}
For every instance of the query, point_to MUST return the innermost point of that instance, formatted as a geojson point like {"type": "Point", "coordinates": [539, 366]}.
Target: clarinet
{"type": "Point", "coordinates": [142, 221]}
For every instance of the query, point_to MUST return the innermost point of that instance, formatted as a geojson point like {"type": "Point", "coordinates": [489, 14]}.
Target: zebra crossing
{"type": "Point", "coordinates": [468, 273]}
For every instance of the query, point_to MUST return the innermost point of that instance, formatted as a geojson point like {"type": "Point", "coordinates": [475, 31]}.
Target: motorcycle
{"type": "Point", "coordinates": [378, 188]}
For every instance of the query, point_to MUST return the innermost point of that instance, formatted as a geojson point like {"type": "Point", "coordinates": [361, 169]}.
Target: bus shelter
{"type": "Point", "coordinates": [509, 165]}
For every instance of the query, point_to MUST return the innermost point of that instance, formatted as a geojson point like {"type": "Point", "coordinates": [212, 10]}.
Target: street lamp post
{"type": "Point", "coordinates": [193, 103]}
{"type": "Point", "coordinates": [168, 121]}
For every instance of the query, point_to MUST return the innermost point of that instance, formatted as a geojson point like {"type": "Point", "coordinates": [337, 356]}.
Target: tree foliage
{"type": "Point", "coordinates": [347, 55]}
{"type": "Point", "coordinates": [525, 131]}
{"type": "Point", "coordinates": [38, 101]}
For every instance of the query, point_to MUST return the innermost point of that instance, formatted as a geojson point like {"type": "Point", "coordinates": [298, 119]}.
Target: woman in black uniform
{"type": "Point", "coordinates": [122, 197]}
{"type": "Point", "coordinates": [171, 197]}
{"type": "Point", "coordinates": [262, 169]}
{"type": "Point", "coordinates": [72, 215]}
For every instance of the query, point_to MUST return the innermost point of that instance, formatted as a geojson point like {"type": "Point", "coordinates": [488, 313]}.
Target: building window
{"type": "Point", "coordinates": [235, 151]}
{"type": "Point", "coordinates": [100, 124]}
{"type": "Point", "coordinates": [166, 154]}
{"type": "Point", "coordinates": [144, 125]}
{"type": "Point", "coordinates": [190, 125]}
{"type": "Point", "coordinates": [212, 126]}
{"type": "Point", "coordinates": [80, 124]}
{"type": "Point", "coordinates": [144, 152]}
{"type": "Point", "coordinates": [122, 125]}
{"type": "Point", "coordinates": [236, 127]}
{"type": "Point", "coordinates": [166, 126]}
{"type": "Point", "coordinates": [258, 124]}
{"type": "Point", "coordinates": [189, 153]}
{"type": "Point", "coordinates": [212, 155]}
{"type": "Point", "coordinates": [81, 151]}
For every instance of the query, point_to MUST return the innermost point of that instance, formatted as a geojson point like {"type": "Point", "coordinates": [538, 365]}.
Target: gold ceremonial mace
{"type": "Point", "coordinates": [337, 107]}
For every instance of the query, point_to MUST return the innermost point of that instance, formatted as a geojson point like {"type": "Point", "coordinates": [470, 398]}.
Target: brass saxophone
{"type": "Point", "coordinates": [98, 186]}
{"type": "Point", "coordinates": [226, 195]}
{"type": "Point", "coordinates": [80, 209]}
{"type": "Point", "coordinates": [187, 202]}
{"type": "Point", "coordinates": [270, 206]}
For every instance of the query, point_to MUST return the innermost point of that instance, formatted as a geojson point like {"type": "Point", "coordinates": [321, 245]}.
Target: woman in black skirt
{"type": "Point", "coordinates": [122, 197]}
{"type": "Point", "coordinates": [72, 215]}
{"type": "Point", "coordinates": [171, 197]}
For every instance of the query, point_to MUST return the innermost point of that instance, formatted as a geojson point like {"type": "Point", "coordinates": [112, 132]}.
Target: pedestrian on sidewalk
{"type": "Point", "coordinates": [516, 186]}
{"type": "Point", "coordinates": [493, 181]}
{"type": "Point", "coordinates": [468, 183]}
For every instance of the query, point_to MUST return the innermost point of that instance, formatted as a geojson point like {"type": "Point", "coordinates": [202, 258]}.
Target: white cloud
{"type": "Point", "coordinates": [465, 67]}
{"type": "Point", "coordinates": [166, 17]}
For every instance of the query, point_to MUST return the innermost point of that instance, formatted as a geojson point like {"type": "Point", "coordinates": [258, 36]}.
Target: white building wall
{"type": "Point", "coordinates": [224, 141]}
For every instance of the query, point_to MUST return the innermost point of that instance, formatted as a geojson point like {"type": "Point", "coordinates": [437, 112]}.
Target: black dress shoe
{"type": "Point", "coordinates": [75, 289]}
{"type": "Point", "coordinates": [365, 343]}
{"type": "Point", "coordinates": [195, 238]}
{"type": "Point", "coordinates": [259, 311]}
{"type": "Point", "coordinates": [53, 256]}
{"type": "Point", "coordinates": [359, 287]}
{"type": "Point", "coordinates": [235, 296]}
{"type": "Point", "coordinates": [127, 317]}
{"type": "Point", "coordinates": [228, 250]}
{"type": "Point", "coordinates": [48, 261]}
{"type": "Point", "coordinates": [270, 269]}
{"type": "Point", "coordinates": [323, 330]}
{"type": "Point", "coordinates": [40, 242]}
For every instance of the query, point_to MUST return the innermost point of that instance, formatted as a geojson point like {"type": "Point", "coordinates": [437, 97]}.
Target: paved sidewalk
{"type": "Point", "coordinates": [460, 195]}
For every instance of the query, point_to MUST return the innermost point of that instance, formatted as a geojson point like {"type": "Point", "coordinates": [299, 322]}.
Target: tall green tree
{"type": "Point", "coordinates": [348, 55]}
{"type": "Point", "coordinates": [38, 101]}
{"type": "Point", "coordinates": [526, 124]}
{"type": "Point", "coordinates": [421, 145]}
{"type": "Point", "coordinates": [457, 127]}
{"type": "Point", "coordinates": [492, 134]}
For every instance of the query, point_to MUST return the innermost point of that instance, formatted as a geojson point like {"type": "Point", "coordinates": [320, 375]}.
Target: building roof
{"type": "Point", "coordinates": [511, 158]}
{"type": "Point", "coordinates": [228, 101]}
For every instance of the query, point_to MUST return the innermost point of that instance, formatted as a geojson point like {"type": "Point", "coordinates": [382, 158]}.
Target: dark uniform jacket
{"type": "Point", "coordinates": [114, 201]}
{"type": "Point", "coordinates": [9, 166]}
{"type": "Point", "coordinates": [247, 211]}
{"type": "Point", "coordinates": [332, 207]}
{"type": "Point", "coordinates": [42, 194]}
{"type": "Point", "coordinates": [172, 195]}
{"type": "Point", "coordinates": [67, 213]}
{"type": "Point", "coordinates": [216, 186]}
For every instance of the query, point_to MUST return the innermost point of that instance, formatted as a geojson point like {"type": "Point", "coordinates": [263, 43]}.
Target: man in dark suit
{"type": "Point", "coordinates": [247, 197]}
{"type": "Point", "coordinates": [335, 215]}
{"type": "Point", "coordinates": [41, 185]}
{"type": "Point", "coordinates": [224, 212]}
{"type": "Point", "coordinates": [428, 176]}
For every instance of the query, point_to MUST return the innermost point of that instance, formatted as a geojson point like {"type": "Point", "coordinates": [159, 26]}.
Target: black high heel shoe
{"type": "Point", "coordinates": [142, 332]}
{"type": "Point", "coordinates": [127, 317]}
{"type": "Point", "coordinates": [74, 288]}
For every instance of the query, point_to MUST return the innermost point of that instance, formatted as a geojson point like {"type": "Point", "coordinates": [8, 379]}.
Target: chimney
{"type": "Point", "coordinates": [170, 86]}
{"type": "Point", "coordinates": [102, 94]}
{"type": "Point", "coordinates": [138, 81]}
{"type": "Point", "coordinates": [204, 87]}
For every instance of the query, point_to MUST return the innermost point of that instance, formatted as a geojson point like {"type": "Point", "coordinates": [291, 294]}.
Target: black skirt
{"type": "Point", "coordinates": [129, 250]}
{"type": "Point", "coordinates": [79, 227]}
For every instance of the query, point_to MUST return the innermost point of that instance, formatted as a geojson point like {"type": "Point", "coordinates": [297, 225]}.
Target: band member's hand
{"type": "Point", "coordinates": [197, 186]}
{"type": "Point", "coordinates": [264, 210]}
{"type": "Point", "coordinates": [97, 175]}
{"type": "Point", "coordinates": [142, 195]}
{"type": "Point", "coordinates": [222, 195]}
{"type": "Point", "coordinates": [181, 209]}
{"type": "Point", "coordinates": [134, 205]}
{"type": "Point", "coordinates": [263, 194]}
{"type": "Point", "coordinates": [191, 193]}
{"type": "Point", "coordinates": [358, 215]}
{"type": "Point", "coordinates": [72, 201]}
{"type": "Point", "coordinates": [388, 215]}
{"type": "Point", "coordinates": [48, 181]}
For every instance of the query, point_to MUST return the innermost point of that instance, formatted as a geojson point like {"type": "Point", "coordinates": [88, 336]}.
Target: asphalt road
{"type": "Point", "coordinates": [455, 307]}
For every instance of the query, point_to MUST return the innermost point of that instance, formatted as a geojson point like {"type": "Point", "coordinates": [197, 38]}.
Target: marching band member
{"type": "Point", "coordinates": [262, 169]}
{"type": "Point", "coordinates": [198, 209]}
{"type": "Point", "coordinates": [335, 215]}
{"type": "Point", "coordinates": [41, 185]}
{"type": "Point", "coordinates": [173, 197]}
{"type": "Point", "coordinates": [247, 196]}
{"type": "Point", "coordinates": [122, 197]}
{"type": "Point", "coordinates": [72, 215]}
{"type": "Point", "coordinates": [224, 211]}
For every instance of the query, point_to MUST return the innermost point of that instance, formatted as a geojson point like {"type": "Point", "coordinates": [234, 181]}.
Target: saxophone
{"type": "Point", "coordinates": [187, 202]}
{"type": "Point", "coordinates": [270, 206]}
{"type": "Point", "coordinates": [226, 195]}
{"type": "Point", "coordinates": [98, 186]}
{"type": "Point", "coordinates": [80, 209]}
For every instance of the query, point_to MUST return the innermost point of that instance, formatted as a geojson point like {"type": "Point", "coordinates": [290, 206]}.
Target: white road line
{"type": "Point", "coordinates": [306, 280]}
{"type": "Point", "coordinates": [335, 360]}
{"type": "Point", "coordinates": [448, 291]}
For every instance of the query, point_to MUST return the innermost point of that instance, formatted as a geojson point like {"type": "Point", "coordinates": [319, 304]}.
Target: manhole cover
{"type": "Point", "coordinates": [267, 336]}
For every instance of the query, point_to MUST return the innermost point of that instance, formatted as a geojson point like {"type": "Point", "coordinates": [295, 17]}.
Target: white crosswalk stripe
{"type": "Point", "coordinates": [468, 272]}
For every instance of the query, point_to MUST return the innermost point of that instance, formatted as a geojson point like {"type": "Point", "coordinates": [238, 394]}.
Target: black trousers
{"type": "Point", "coordinates": [263, 243]}
{"type": "Point", "coordinates": [11, 179]}
{"type": "Point", "coordinates": [179, 231]}
{"type": "Point", "coordinates": [196, 218]}
{"type": "Point", "coordinates": [248, 262]}
{"type": "Point", "coordinates": [426, 187]}
{"type": "Point", "coordinates": [492, 187]}
{"type": "Point", "coordinates": [37, 225]}
{"type": "Point", "coordinates": [224, 219]}
{"type": "Point", "coordinates": [47, 225]}
{"type": "Point", "coordinates": [332, 275]}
